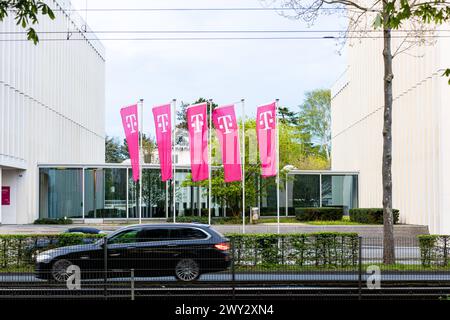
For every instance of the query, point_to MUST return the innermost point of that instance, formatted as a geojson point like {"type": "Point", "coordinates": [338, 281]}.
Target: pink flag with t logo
{"type": "Point", "coordinates": [227, 130]}
{"type": "Point", "coordinates": [163, 127]}
{"type": "Point", "coordinates": [131, 127]}
{"type": "Point", "coordinates": [197, 122]}
{"type": "Point", "coordinates": [266, 133]}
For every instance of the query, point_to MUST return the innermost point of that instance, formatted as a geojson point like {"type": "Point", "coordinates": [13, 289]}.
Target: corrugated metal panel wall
{"type": "Point", "coordinates": [357, 117]}
{"type": "Point", "coordinates": [52, 105]}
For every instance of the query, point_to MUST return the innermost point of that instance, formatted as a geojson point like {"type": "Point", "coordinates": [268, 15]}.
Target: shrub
{"type": "Point", "coordinates": [53, 221]}
{"type": "Point", "coordinates": [204, 220]}
{"type": "Point", "coordinates": [319, 214]}
{"type": "Point", "coordinates": [434, 250]}
{"type": "Point", "coordinates": [371, 215]}
{"type": "Point", "coordinates": [190, 219]}
{"type": "Point", "coordinates": [331, 249]}
{"type": "Point", "coordinates": [260, 250]}
{"type": "Point", "coordinates": [272, 211]}
{"type": "Point", "coordinates": [18, 251]}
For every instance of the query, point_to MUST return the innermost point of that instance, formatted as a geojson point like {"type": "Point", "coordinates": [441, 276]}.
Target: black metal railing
{"type": "Point", "coordinates": [290, 265]}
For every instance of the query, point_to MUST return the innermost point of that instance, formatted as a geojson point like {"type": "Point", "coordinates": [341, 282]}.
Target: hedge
{"type": "Point", "coordinates": [434, 250]}
{"type": "Point", "coordinates": [249, 250]}
{"type": "Point", "coordinates": [53, 221]}
{"type": "Point", "coordinates": [328, 249]}
{"type": "Point", "coordinates": [371, 215]}
{"type": "Point", "coordinates": [190, 219]}
{"type": "Point", "coordinates": [18, 251]}
{"type": "Point", "coordinates": [272, 211]}
{"type": "Point", "coordinates": [319, 214]}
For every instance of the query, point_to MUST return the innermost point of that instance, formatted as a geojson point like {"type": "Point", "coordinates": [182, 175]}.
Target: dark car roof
{"type": "Point", "coordinates": [88, 230]}
{"type": "Point", "coordinates": [205, 227]}
{"type": "Point", "coordinates": [167, 225]}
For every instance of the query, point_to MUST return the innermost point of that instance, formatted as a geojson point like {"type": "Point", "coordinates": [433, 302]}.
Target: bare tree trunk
{"type": "Point", "coordinates": [388, 220]}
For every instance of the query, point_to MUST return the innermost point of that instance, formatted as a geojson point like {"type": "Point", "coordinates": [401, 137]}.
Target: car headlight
{"type": "Point", "coordinates": [43, 258]}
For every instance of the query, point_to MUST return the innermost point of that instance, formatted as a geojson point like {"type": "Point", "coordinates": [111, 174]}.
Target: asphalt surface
{"type": "Point", "coordinates": [365, 231]}
{"type": "Point", "coordinates": [262, 277]}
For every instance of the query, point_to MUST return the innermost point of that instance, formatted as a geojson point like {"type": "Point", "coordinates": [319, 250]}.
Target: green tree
{"type": "Point", "coordinates": [148, 146]}
{"type": "Point", "coordinates": [296, 147]}
{"type": "Point", "coordinates": [315, 118]}
{"type": "Point", "coordinates": [292, 152]}
{"type": "Point", "coordinates": [287, 116]}
{"type": "Point", "coordinates": [26, 14]}
{"type": "Point", "coordinates": [113, 150]}
{"type": "Point", "coordinates": [153, 190]}
{"type": "Point", "coordinates": [230, 194]}
{"type": "Point", "coordinates": [388, 15]}
{"type": "Point", "coordinates": [182, 112]}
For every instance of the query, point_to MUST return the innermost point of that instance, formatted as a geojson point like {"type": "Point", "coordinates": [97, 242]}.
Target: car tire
{"type": "Point", "coordinates": [58, 272]}
{"type": "Point", "coordinates": [187, 270]}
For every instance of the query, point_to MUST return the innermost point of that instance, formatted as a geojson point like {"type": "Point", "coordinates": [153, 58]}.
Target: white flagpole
{"type": "Point", "coordinates": [209, 162]}
{"type": "Point", "coordinates": [278, 165]}
{"type": "Point", "coordinates": [243, 165]}
{"type": "Point", "coordinates": [174, 128]}
{"type": "Point", "coordinates": [167, 199]}
{"type": "Point", "coordinates": [141, 155]}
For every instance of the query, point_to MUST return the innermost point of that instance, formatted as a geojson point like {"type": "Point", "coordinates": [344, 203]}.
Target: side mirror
{"type": "Point", "coordinates": [102, 242]}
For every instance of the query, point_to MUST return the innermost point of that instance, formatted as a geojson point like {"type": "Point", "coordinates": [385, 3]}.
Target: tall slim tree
{"type": "Point", "coordinates": [315, 115]}
{"type": "Point", "coordinates": [26, 14]}
{"type": "Point", "coordinates": [387, 15]}
{"type": "Point", "coordinates": [113, 150]}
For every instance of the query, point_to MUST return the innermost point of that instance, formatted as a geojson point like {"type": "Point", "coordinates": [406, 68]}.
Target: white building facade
{"type": "Point", "coordinates": [52, 105]}
{"type": "Point", "coordinates": [421, 129]}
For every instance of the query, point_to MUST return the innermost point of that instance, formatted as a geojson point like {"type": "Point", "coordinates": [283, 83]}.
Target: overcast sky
{"type": "Point", "coordinates": [257, 70]}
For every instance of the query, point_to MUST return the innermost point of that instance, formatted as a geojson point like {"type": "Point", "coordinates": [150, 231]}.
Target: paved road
{"type": "Point", "coordinates": [368, 231]}
{"type": "Point", "coordinates": [261, 277]}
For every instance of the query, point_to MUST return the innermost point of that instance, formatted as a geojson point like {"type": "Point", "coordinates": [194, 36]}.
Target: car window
{"type": "Point", "coordinates": [127, 236]}
{"type": "Point", "coordinates": [153, 234]}
{"type": "Point", "coordinates": [187, 234]}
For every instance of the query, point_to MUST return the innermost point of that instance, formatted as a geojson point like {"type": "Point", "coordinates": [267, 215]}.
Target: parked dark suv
{"type": "Point", "coordinates": [183, 250]}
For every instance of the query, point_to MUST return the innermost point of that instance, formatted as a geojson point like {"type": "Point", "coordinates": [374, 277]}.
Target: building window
{"type": "Point", "coordinates": [60, 193]}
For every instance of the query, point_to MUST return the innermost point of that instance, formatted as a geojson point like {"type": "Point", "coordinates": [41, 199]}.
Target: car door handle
{"type": "Point", "coordinates": [114, 254]}
{"type": "Point", "coordinates": [172, 245]}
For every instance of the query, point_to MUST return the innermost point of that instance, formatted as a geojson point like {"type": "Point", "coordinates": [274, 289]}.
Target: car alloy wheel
{"type": "Point", "coordinates": [187, 270]}
{"type": "Point", "coordinates": [59, 270]}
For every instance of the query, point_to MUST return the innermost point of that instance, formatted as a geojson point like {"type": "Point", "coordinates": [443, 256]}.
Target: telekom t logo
{"type": "Point", "coordinates": [266, 119]}
{"type": "Point", "coordinates": [131, 122]}
{"type": "Point", "coordinates": [163, 122]}
{"type": "Point", "coordinates": [225, 123]}
{"type": "Point", "coordinates": [197, 122]}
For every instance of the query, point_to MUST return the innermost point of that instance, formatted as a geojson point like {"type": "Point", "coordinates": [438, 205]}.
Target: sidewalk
{"type": "Point", "coordinates": [369, 231]}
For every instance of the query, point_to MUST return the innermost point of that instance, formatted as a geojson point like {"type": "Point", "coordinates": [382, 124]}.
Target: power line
{"type": "Point", "coordinates": [215, 31]}
{"type": "Point", "coordinates": [220, 38]}
{"type": "Point", "coordinates": [190, 9]}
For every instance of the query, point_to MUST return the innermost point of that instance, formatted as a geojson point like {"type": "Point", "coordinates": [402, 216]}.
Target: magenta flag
{"type": "Point", "coordinates": [266, 133]}
{"type": "Point", "coordinates": [227, 130]}
{"type": "Point", "coordinates": [197, 122]}
{"type": "Point", "coordinates": [163, 128]}
{"type": "Point", "coordinates": [131, 127]}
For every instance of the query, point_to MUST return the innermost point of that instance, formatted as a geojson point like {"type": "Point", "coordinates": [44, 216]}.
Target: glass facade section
{"type": "Point", "coordinates": [60, 193]}
{"type": "Point", "coordinates": [111, 193]}
{"type": "Point", "coordinates": [340, 191]}
{"type": "Point", "coordinates": [306, 191]}
{"type": "Point", "coordinates": [105, 193]}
